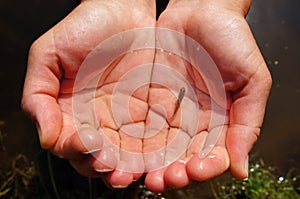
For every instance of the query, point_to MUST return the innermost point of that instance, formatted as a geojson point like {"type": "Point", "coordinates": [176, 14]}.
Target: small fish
{"type": "Point", "coordinates": [179, 98]}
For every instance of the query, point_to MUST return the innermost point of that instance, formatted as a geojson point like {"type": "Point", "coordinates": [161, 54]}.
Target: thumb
{"type": "Point", "coordinates": [246, 117]}
{"type": "Point", "coordinates": [41, 90]}
{"type": "Point", "coordinates": [239, 141]}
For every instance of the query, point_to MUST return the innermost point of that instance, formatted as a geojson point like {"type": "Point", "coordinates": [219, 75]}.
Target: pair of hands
{"type": "Point", "coordinates": [219, 26]}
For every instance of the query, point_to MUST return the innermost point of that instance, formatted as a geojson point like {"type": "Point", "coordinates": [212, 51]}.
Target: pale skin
{"type": "Point", "coordinates": [219, 26]}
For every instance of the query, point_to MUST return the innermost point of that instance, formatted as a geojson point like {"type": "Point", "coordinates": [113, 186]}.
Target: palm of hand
{"type": "Point", "coordinates": [70, 145]}
{"type": "Point", "coordinates": [70, 41]}
{"type": "Point", "coordinates": [226, 36]}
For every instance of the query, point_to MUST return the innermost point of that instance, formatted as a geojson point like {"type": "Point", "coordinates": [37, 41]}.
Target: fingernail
{"type": "Point", "coordinates": [39, 130]}
{"type": "Point", "coordinates": [118, 186]}
{"type": "Point", "coordinates": [41, 135]}
{"type": "Point", "coordinates": [92, 151]}
{"type": "Point", "coordinates": [104, 170]}
{"type": "Point", "coordinates": [246, 166]}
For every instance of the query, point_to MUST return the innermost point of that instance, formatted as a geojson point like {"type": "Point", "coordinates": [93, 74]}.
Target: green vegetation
{"type": "Point", "coordinates": [23, 179]}
{"type": "Point", "coordinates": [263, 183]}
{"type": "Point", "coordinates": [16, 180]}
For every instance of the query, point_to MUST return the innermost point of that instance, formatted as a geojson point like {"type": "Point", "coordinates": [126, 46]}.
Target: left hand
{"type": "Point", "coordinates": [220, 27]}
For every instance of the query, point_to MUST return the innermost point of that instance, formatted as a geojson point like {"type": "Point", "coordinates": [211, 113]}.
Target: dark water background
{"type": "Point", "coordinates": [275, 24]}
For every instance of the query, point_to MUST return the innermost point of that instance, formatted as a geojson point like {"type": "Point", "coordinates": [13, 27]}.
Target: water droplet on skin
{"type": "Point", "coordinates": [212, 156]}
{"type": "Point", "coordinates": [161, 50]}
{"type": "Point", "coordinates": [201, 165]}
{"type": "Point", "coordinates": [198, 48]}
{"type": "Point", "coordinates": [169, 53]}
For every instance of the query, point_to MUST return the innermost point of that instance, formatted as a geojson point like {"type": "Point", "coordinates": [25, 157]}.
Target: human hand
{"type": "Point", "coordinates": [48, 96]}
{"type": "Point", "coordinates": [53, 64]}
{"type": "Point", "coordinates": [220, 27]}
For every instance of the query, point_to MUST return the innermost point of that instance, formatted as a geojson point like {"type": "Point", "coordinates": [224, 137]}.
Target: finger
{"type": "Point", "coordinates": [213, 164]}
{"type": "Point", "coordinates": [73, 144]}
{"type": "Point", "coordinates": [246, 117]}
{"type": "Point", "coordinates": [216, 163]}
{"type": "Point", "coordinates": [154, 150]}
{"type": "Point", "coordinates": [131, 153]}
{"type": "Point", "coordinates": [120, 178]}
{"type": "Point", "coordinates": [96, 164]}
{"type": "Point", "coordinates": [154, 181]}
{"type": "Point", "coordinates": [106, 159]}
{"type": "Point", "coordinates": [41, 90]}
{"type": "Point", "coordinates": [239, 142]}
{"type": "Point", "coordinates": [176, 175]}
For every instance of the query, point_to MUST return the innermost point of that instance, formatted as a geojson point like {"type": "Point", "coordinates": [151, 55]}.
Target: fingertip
{"type": "Point", "coordinates": [90, 139]}
{"type": "Point", "coordinates": [104, 160]}
{"type": "Point", "coordinates": [155, 182]}
{"type": "Point", "coordinates": [195, 168]}
{"type": "Point", "coordinates": [44, 110]}
{"type": "Point", "coordinates": [73, 145]}
{"type": "Point", "coordinates": [213, 165]}
{"type": "Point", "coordinates": [176, 175]}
{"type": "Point", "coordinates": [119, 179]}
{"type": "Point", "coordinates": [239, 142]}
{"type": "Point", "coordinates": [49, 125]}
{"type": "Point", "coordinates": [240, 171]}
{"type": "Point", "coordinates": [45, 142]}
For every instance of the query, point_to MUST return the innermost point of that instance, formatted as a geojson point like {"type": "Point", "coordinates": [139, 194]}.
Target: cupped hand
{"type": "Point", "coordinates": [220, 27]}
{"type": "Point", "coordinates": [123, 141]}
{"type": "Point", "coordinates": [54, 61]}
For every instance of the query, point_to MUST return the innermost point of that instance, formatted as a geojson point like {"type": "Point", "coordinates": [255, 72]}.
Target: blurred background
{"type": "Point", "coordinates": [275, 25]}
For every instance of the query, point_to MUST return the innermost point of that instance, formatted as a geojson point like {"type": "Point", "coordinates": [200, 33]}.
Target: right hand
{"type": "Point", "coordinates": [54, 61]}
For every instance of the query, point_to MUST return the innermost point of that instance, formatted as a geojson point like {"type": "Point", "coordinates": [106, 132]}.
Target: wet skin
{"type": "Point", "coordinates": [220, 27]}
